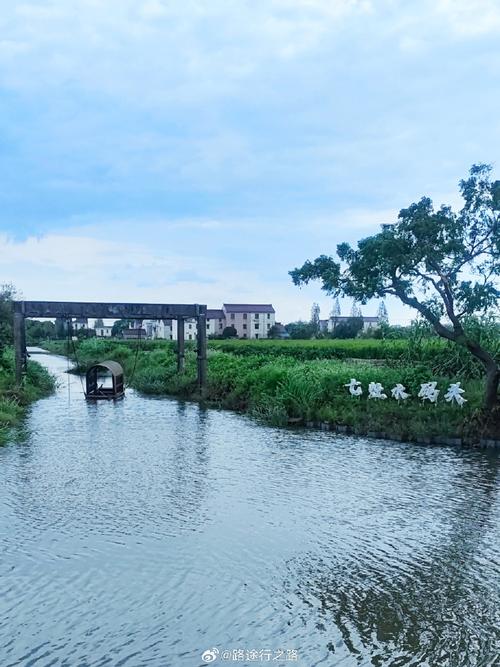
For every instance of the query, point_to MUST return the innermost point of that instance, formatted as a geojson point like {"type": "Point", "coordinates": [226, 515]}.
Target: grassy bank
{"type": "Point", "coordinates": [277, 388]}
{"type": "Point", "coordinates": [13, 402]}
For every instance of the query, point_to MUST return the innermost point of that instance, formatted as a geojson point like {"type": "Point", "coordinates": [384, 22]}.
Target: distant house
{"type": "Point", "coordinates": [368, 322]}
{"type": "Point", "coordinates": [104, 332]}
{"type": "Point", "coordinates": [158, 329]}
{"type": "Point", "coordinates": [251, 320]}
{"type": "Point", "coordinates": [134, 334]}
{"type": "Point", "coordinates": [167, 329]}
{"type": "Point", "coordinates": [80, 323]}
{"type": "Point", "coordinates": [190, 329]}
{"type": "Point", "coordinates": [215, 321]}
{"type": "Point", "coordinates": [323, 326]}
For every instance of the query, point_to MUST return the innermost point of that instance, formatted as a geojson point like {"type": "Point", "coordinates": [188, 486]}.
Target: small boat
{"type": "Point", "coordinates": [99, 386]}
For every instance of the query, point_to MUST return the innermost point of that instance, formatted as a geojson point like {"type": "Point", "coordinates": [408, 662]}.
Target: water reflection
{"type": "Point", "coordinates": [145, 531]}
{"type": "Point", "coordinates": [429, 602]}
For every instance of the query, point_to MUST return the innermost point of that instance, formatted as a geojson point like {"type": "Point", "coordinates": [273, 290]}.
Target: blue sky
{"type": "Point", "coordinates": [170, 151]}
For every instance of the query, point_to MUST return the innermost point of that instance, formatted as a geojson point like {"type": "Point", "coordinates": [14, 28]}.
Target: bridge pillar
{"type": "Point", "coordinates": [180, 345]}
{"type": "Point", "coordinates": [19, 344]}
{"type": "Point", "coordinates": [201, 322]}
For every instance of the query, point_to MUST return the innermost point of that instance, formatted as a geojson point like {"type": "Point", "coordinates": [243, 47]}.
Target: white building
{"type": "Point", "coordinates": [251, 320]}
{"type": "Point", "coordinates": [161, 329]}
{"type": "Point", "coordinates": [215, 322]}
{"type": "Point", "coordinates": [167, 329]}
{"type": "Point", "coordinates": [104, 331]}
{"type": "Point", "coordinates": [80, 323]}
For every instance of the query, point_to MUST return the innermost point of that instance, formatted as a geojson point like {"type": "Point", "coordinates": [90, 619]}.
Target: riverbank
{"type": "Point", "coordinates": [281, 389]}
{"type": "Point", "coordinates": [14, 401]}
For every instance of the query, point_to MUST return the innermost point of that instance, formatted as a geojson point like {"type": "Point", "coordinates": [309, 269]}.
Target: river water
{"type": "Point", "coordinates": [148, 531]}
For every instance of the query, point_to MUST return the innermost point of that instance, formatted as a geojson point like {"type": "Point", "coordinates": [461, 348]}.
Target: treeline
{"type": "Point", "coordinates": [37, 381]}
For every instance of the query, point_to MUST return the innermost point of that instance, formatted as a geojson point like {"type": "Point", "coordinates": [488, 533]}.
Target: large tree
{"type": "Point", "coordinates": [119, 326]}
{"type": "Point", "coordinates": [383, 315]}
{"type": "Point", "coordinates": [445, 265]}
{"type": "Point", "coordinates": [315, 316]}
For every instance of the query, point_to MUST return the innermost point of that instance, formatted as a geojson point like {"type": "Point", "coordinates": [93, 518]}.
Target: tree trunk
{"type": "Point", "coordinates": [491, 399]}
{"type": "Point", "coordinates": [492, 382]}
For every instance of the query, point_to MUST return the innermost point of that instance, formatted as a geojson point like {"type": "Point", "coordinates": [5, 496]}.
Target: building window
{"type": "Point", "coordinates": [244, 316]}
{"type": "Point", "coordinates": [208, 325]}
{"type": "Point", "coordinates": [256, 316]}
{"type": "Point", "coordinates": [244, 335]}
{"type": "Point", "coordinates": [256, 335]}
{"type": "Point", "coordinates": [268, 325]}
{"type": "Point", "coordinates": [244, 326]}
{"type": "Point", "coordinates": [256, 325]}
{"type": "Point", "coordinates": [268, 316]}
{"type": "Point", "coordinates": [232, 316]}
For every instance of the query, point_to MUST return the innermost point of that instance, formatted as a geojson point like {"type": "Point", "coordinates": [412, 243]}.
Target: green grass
{"type": "Point", "coordinates": [281, 387]}
{"type": "Point", "coordinates": [443, 358]}
{"type": "Point", "coordinates": [13, 401]}
{"type": "Point", "coordinates": [316, 349]}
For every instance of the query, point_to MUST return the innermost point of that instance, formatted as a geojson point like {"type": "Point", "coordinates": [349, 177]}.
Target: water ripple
{"type": "Point", "coordinates": [144, 532]}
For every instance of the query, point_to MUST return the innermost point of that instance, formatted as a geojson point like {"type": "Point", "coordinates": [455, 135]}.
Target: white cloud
{"type": "Point", "coordinates": [81, 268]}
{"type": "Point", "coordinates": [470, 18]}
{"type": "Point", "coordinates": [245, 117]}
{"type": "Point", "coordinates": [187, 49]}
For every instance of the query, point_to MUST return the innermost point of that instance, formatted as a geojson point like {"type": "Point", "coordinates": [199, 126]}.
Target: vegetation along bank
{"type": "Point", "coordinates": [36, 383]}
{"type": "Point", "coordinates": [283, 382]}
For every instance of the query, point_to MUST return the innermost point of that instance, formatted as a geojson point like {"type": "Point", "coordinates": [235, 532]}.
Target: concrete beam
{"type": "Point", "coordinates": [136, 311]}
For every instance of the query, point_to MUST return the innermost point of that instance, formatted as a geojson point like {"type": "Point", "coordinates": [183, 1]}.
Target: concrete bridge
{"type": "Point", "coordinates": [137, 311]}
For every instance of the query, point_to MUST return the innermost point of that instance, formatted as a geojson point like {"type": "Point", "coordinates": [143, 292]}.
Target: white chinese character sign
{"type": "Point", "coordinates": [375, 390]}
{"type": "Point", "coordinates": [428, 392]}
{"type": "Point", "coordinates": [354, 387]}
{"type": "Point", "coordinates": [399, 392]}
{"type": "Point", "coordinates": [454, 393]}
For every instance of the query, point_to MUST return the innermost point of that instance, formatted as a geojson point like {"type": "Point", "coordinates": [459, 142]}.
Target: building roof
{"type": "Point", "coordinates": [248, 308]}
{"type": "Point", "coordinates": [215, 314]}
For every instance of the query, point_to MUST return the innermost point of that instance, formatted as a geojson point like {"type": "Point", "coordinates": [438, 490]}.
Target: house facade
{"type": "Point", "coordinates": [215, 322]}
{"type": "Point", "coordinates": [161, 329]}
{"type": "Point", "coordinates": [80, 323]}
{"type": "Point", "coordinates": [167, 329]}
{"type": "Point", "coordinates": [104, 332]}
{"type": "Point", "coordinates": [250, 320]}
